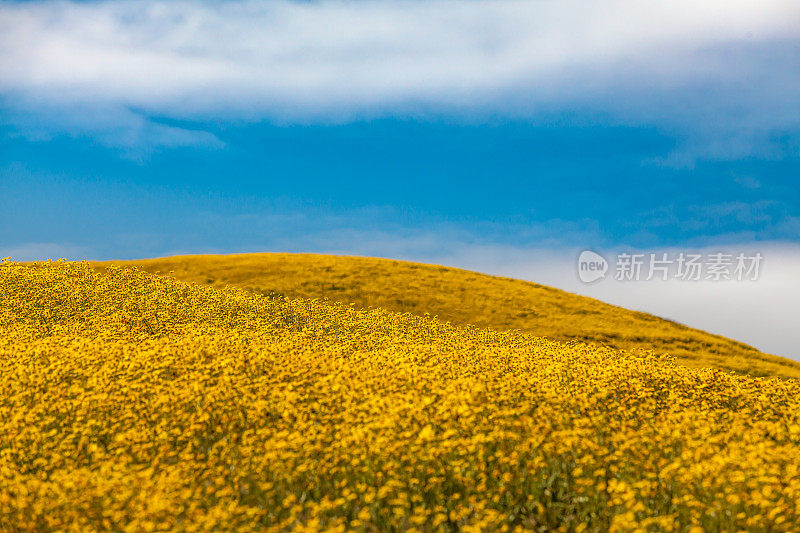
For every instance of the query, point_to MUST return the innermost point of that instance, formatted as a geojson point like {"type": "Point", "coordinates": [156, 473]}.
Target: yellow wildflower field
{"type": "Point", "coordinates": [464, 297]}
{"type": "Point", "coordinates": [134, 402]}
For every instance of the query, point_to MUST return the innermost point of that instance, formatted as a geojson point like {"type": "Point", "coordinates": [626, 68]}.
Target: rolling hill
{"type": "Point", "coordinates": [135, 402]}
{"type": "Point", "coordinates": [464, 297]}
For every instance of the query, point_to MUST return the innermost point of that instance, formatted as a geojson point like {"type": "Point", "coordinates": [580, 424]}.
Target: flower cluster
{"type": "Point", "coordinates": [134, 402]}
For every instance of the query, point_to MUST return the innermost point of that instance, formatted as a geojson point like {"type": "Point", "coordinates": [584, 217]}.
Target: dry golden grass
{"type": "Point", "coordinates": [464, 297]}
{"type": "Point", "coordinates": [135, 402]}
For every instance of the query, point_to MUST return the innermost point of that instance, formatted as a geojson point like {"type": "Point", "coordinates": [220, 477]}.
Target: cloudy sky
{"type": "Point", "coordinates": [503, 136]}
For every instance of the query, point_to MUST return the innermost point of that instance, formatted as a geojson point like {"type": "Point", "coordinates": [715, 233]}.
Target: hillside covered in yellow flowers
{"type": "Point", "coordinates": [464, 297]}
{"type": "Point", "coordinates": [135, 402]}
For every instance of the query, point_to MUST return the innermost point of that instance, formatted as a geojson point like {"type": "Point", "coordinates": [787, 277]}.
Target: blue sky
{"type": "Point", "coordinates": [437, 130]}
{"type": "Point", "coordinates": [509, 182]}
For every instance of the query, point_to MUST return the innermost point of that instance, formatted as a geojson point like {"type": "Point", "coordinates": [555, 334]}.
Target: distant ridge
{"type": "Point", "coordinates": [465, 297]}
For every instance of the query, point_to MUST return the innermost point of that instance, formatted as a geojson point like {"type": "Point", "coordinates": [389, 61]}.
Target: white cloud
{"type": "Point", "coordinates": [107, 123]}
{"type": "Point", "coordinates": [339, 60]}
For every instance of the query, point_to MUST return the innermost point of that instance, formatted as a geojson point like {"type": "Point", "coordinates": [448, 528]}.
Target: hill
{"type": "Point", "coordinates": [464, 297]}
{"type": "Point", "coordinates": [136, 402]}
